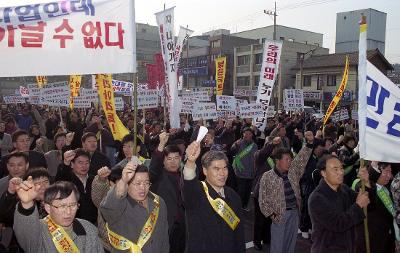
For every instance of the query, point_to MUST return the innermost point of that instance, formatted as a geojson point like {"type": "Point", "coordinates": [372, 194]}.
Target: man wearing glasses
{"type": "Point", "coordinates": [59, 231]}
{"type": "Point", "coordinates": [75, 169]}
{"type": "Point", "coordinates": [136, 218]}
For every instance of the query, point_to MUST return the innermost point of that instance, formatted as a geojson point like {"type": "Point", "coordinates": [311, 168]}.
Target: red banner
{"type": "Point", "coordinates": [152, 76]}
{"type": "Point", "coordinates": [159, 62]}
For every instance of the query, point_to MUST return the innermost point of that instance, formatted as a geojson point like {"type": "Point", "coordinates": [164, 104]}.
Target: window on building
{"type": "Point", "coordinates": [331, 80]}
{"type": "Point", "coordinates": [320, 82]}
{"type": "Point", "coordinates": [259, 58]}
{"type": "Point", "coordinates": [256, 81]}
{"type": "Point", "coordinates": [216, 43]}
{"type": "Point", "coordinates": [282, 38]}
{"type": "Point", "coordinates": [263, 40]}
{"type": "Point", "coordinates": [213, 57]}
{"type": "Point", "coordinates": [306, 81]}
{"type": "Point", "coordinates": [143, 30]}
{"type": "Point", "coordinates": [243, 60]}
{"type": "Point", "coordinates": [243, 81]}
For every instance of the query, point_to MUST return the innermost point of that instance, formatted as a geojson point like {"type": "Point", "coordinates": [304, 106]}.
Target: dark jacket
{"type": "Point", "coordinates": [349, 158]}
{"type": "Point", "coordinates": [87, 210]}
{"type": "Point", "coordinates": [334, 215]}
{"type": "Point", "coordinates": [168, 186]}
{"type": "Point", "coordinates": [206, 230]}
{"type": "Point", "coordinates": [380, 226]}
{"type": "Point", "coordinates": [261, 165]}
{"type": "Point", "coordinates": [98, 160]}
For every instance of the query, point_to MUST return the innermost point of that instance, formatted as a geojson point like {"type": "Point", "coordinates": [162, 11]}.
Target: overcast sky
{"type": "Point", "coordinates": [238, 15]}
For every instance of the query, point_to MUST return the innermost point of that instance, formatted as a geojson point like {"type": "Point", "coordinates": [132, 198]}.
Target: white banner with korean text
{"type": "Point", "coordinates": [269, 71]}
{"type": "Point", "coordinates": [382, 122]}
{"type": "Point", "coordinates": [165, 22]}
{"type": "Point", "coordinates": [67, 37]}
{"type": "Point", "coordinates": [226, 103]}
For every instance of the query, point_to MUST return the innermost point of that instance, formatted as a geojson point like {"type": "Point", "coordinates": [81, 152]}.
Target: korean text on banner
{"type": "Point", "coordinates": [74, 86]}
{"type": "Point", "coordinates": [339, 92]}
{"type": "Point", "coordinates": [41, 80]}
{"type": "Point", "coordinates": [293, 99]}
{"type": "Point", "coordinates": [106, 95]}
{"type": "Point", "coordinates": [269, 70]}
{"type": "Point", "coordinates": [77, 37]}
{"type": "Point", "coordinates": [165, 22]}
{"type": "Point", "coordinates": [183, 35]}
{"type": "Point", "coordinates": [220, 71]}
{"type": "Point", "coordinates": [381, 124]}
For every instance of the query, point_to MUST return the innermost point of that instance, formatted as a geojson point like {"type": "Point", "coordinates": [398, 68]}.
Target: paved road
{"type": "Point", "coordinates": [302, 246]}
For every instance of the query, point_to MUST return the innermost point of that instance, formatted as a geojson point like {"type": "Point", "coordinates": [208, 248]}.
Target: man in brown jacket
{"type": "Point", "coordinates": [279, 196]}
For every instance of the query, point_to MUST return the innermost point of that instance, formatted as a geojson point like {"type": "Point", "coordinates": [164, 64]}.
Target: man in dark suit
{"type": "Point", "coordinates": [213, 210]}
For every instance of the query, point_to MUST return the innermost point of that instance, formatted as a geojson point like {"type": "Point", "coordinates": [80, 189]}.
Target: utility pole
{"type": "Point", "coordinates": [272, 13]}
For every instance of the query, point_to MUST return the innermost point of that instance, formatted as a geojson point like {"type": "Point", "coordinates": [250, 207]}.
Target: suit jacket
{"type": "Point", "coordinates": [206, 230]}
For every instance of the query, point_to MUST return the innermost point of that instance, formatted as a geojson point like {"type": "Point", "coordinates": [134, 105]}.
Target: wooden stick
{"type": "Point", "coordinates": [366, 233]}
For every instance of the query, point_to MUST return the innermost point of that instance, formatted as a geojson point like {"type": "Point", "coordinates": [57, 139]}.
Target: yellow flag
{"type": "Point", "coordinates": [339, 92]}
{"type": "Point", "coordinates": [41, 81]}
{"type": "Point", "coordinates": [74, 85]}
{"type": "Point", "coordinates": [106, 94]}
{"type": "Point", "coordinates": [220, 70]}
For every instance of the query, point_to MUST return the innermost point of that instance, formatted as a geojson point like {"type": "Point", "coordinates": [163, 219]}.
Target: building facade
{"type": "Point", "coordinates": [348, 30]}
{"type": "Point", "coordinates": [323, 73]}
{"type": "Point", "coordinates": [282, 33]}
{"type": "Point", "coordinates": [248, 61]}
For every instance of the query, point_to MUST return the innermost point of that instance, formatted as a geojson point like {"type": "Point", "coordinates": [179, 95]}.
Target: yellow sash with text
{"type": "Point", "coordinates": [61, 239]}
{"type": "Point", "coordinates": [121, 243]}
{"type": "Point", "coordinates": [222, 209]}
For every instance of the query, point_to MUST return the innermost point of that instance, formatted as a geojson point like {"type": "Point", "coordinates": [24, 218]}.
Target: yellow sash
{"type": "Point", "coordinates": [222, 209]}
{"type": "Point", "coordinates": [121, 243]}
{"type": "Point", "coordinates": [61, 239]}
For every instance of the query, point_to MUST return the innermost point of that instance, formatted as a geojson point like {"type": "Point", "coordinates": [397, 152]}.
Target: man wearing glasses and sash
{"type": "Point", "coordinates": [59, 231]}
{"type": "Point", "coordinates": [136, 218]}
{"type": "Point", "coordinates": [213, 211]}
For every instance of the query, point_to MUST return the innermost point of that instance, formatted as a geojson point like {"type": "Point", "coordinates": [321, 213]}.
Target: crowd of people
{"type": "Point", "coordinates": [67, 186]}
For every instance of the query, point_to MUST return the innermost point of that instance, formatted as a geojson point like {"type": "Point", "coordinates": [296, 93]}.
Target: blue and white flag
{"type": "Point", "coordinates": [381, 125]}
{"type": "Point", "coordinates": [378, 109]}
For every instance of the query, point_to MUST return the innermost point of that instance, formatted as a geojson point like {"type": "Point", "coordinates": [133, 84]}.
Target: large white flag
{"type": "Point", "coordinates": [269, 71]}
{"type": "Point", "coordinates": [165, 22]}
{"type": "Point", "coordinates": [67, 37]}
{"type": "Point", "coordinates": [381, 126]}
{"type": "Point", "coordinates": [378, 109]}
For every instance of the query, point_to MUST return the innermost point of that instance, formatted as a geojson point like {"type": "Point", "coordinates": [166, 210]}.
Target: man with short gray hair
{"type": "Point", "coordinates": [211, 207]}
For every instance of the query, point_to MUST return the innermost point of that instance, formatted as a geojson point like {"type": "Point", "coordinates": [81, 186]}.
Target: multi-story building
{"type": "Point", "coordinates": [282, 33]}
{"type": "Point", "coordinates": [248, 61]}
{"type": "Point", "coordinates": [198, 63]}
{"type": "Point", "coordinates": [347, 30]}
{"type": "Point", "coordinates": [323, 74]}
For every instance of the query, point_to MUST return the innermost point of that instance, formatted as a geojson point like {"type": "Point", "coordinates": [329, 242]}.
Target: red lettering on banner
{"type": "Point", "coordinates": [109, 106]}
{"type": "Point", "coordinates": [10, 31]}
{"type": "Point", "coordinates": [107, 94]}
{"type": "Point", "coordinates": [273, 47]}
{"type": "Point", "coordinates": [271, 60]}
{"type": "Point", "coordinates": [64, 26]}
{"type": "Point", "coordinates": [120, 32]}
{"type": "Point", "coordinates": [32, 35]}
{"type": "Point", "coordinates": [88, 29]}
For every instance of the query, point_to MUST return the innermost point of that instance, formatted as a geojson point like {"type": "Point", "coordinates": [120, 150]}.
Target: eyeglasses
{"type": "Point", "coordinates": [65, 207]}
{"type": "Point", "coordinates": [141, 184]}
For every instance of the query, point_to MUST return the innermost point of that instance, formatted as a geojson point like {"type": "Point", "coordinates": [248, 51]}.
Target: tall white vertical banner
{"type": "Point", "coordinates": [362, 83]}
{"type": "Point", "coordinates": [165, 22]}
{"type": "Point", "coordinates": [269, 70]}
{"type": "Point", "coordinates": [183, 35]}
